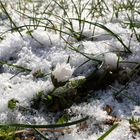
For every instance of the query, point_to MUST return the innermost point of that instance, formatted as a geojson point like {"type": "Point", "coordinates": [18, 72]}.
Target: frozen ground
{"type": "Point", "coordinates": [45, 49]}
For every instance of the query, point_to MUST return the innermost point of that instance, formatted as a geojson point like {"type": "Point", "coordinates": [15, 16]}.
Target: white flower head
{"type": "Point", "coordinates": [62, 72]}
{"type": "Point", "coordinates": [111, 60]}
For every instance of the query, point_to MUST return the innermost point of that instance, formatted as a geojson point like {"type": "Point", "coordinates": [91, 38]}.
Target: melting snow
{"type": "Point", "coordinates": [44, 52]}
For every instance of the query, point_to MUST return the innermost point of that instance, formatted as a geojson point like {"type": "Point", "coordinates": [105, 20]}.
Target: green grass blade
{"type": "Point", "coordinates": [23, 27]}
{"type": "Point", "coordinates": [107, 30]}
{"type": "Point", "coordinates": [5, 11]}
{"type": "Point", "coordinates": [44, 126]}
{"type": "Point", "coordinates": [108, 132]}
{"type": "Point", "coordinates": [76, 50]}
{"type": "Point", "coordinates": [15, 66]}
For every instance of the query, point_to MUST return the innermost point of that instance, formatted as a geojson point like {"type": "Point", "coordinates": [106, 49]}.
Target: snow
{"type": "Point", "coordinates": [47, 52]}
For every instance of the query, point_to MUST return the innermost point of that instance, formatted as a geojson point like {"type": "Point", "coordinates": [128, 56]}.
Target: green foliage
{"type": "Point", "coordinates": [127, 50]}
{"type": "Point", "coordinates": [15, 66]}
{"type": "Point", "coordinates": [60, 98]}
{"type": "Point", "coordinates": [108, 132]}
{"type": "Point", "coordinates": [45, 126]}
{"type": "Point", "coordinates": [29, 32]}
{"type": "Point", "coordinates": [12, 103]}
{"type": "Point", "coordinates": [7, 133]}
{"type": "Point", "coordinates": [69, 88]}
{"type": "Point", "coordinates": [9, 17]}
{"type": "Point", "coordinates": [63, 119]}
{"type": "Point", "coordinates": [134, 124]}
{"type": "Point", "coordinates": [35, 103]}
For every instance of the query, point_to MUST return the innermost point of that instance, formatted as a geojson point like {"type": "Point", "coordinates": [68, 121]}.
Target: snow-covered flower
{"type": "Point", "coordinates": [111, 60]}
{"type": "Point", "coordinates": [62, 73]}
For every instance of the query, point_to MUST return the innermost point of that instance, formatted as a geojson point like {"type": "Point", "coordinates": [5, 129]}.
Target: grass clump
{"type": "Point", "coordinates": [135, 124]}
{"type": "Point", "coordinates": [7, 133]}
